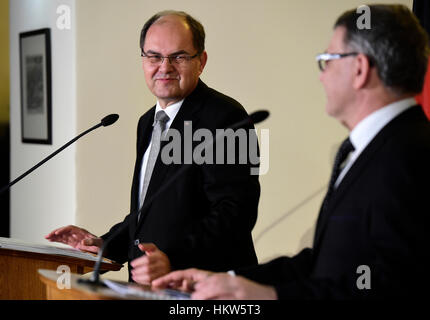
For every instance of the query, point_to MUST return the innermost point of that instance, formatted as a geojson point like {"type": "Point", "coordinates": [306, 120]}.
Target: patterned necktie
{"type": "Point", "coordinates": [161, 118]}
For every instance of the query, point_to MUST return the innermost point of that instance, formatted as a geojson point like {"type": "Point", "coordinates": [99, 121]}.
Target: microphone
{"type": "Point", "coordinates": [259, 116]}
{"type": "Point", "coordinates": [106, 121]}
{"type": "Point", "coordinates": [109, 119]}
{"type": "Point", "coordinates": [253, 118]}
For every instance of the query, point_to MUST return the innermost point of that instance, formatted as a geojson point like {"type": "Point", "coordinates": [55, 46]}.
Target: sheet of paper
{"type": "Point", "coordinates": [128, 290]}
{"type": "Point", "coordinates": [20, 245]}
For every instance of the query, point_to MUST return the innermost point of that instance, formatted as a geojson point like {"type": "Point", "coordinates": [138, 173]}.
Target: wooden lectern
{"type": "Point", "coordinates": [76, 291]}
{"type": "Point", "coordinates": [19, 278]}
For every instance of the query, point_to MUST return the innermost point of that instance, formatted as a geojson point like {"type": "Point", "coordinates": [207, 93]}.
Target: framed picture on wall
{"type": "Point", "coordinates": [35, 74]}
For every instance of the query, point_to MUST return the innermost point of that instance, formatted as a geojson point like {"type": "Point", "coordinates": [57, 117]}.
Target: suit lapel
{"type": "Point", "coordinates": [359, 166]}
{"type": "Point", "coordinates": [143, 138]}
{"type": "Point", "coordinates": [187, 112]}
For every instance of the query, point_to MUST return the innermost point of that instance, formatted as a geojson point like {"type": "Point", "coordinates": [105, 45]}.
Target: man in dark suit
{"type": "Point", "coordinates": [204, 218]}
{"type": "Point", "coordinates": [371, 234]}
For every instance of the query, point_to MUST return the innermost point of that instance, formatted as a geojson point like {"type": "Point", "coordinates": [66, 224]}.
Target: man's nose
{"type": "Point", "coordinates": [166, 65]}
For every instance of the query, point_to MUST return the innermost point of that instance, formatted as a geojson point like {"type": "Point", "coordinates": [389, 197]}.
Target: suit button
{"type": "Point", "coordinates": [136, 242]}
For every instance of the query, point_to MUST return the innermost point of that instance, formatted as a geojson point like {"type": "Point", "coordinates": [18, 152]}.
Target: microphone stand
{"type": "Point", "coordinates": [108, 120]}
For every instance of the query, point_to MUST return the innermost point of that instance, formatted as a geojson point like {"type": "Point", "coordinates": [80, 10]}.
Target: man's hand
{"type": "Point", "coordinates": [184, 280]}
{"type": "Point", "coordinates": [206, 285]}
{"type": "Point", "coordinates": [222, 286]}
{"type": "Point", "coordinates": [77, 238]}
{"type": "Point", "coordinates": [150, 266]}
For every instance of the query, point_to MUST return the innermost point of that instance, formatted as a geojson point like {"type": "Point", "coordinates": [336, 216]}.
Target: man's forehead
{"type": "Point", "coordinates": [172, 26]}
{"type": "Point", "coordinates": [337, 39]}
{"type": "Point", "coordinates": [171, 33]}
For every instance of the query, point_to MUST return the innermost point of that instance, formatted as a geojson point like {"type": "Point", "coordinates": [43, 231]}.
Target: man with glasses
{"type": "Point", "coordinates": [371, 236]}
{"type": "Point", "coordinates": [204, 218]}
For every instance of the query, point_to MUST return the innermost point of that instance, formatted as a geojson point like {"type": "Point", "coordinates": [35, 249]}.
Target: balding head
{"type": "Point", "coordinates": [171, 16]}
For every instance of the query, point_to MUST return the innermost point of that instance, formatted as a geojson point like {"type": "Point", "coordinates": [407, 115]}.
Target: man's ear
{"type": "Point", "coordinates": [362, 71]}
{"type": "Point", "coordinates": [203, 59]}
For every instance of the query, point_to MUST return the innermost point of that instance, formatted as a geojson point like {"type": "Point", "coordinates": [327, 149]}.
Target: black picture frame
{"type": "Point", "coordinates": [36, 86]}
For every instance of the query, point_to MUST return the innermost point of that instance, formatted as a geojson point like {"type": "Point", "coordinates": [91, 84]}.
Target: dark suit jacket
{"type": "Point", "coordinates": [204, 219]}
{"type": "Point", "coordinates": [378, 217]}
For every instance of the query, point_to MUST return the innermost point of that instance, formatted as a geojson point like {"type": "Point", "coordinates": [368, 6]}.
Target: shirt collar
{"type": "Point", "coordinates": [370, 126]}
{"type": "Point", "coordinates": [171, 111]}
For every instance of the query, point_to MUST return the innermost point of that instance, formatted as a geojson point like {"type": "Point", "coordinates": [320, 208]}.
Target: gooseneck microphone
{"type": "Point", "coordinates": [106, 121]}
{"type": "Point", "coordinates": [253, 118]}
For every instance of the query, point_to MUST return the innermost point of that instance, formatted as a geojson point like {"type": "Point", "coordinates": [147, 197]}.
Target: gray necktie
{"type": "Point", "coordinates": [161, 118]}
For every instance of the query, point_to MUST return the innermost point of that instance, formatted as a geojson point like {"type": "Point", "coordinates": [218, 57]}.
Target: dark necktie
{"type": "Point", "coordinates": [344, 150]}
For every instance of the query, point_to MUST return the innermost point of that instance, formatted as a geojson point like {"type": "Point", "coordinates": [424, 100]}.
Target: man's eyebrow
{"type": "Point", "coordinates": [178, 53]}
{"type": "Point", "coordinates": [153, 52]}
{"type": "Point", "coordinates": [172, 54]}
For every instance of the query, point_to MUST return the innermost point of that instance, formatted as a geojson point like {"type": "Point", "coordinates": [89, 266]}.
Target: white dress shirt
{"type": "Point", "coordinates": [369, 127]}
{"type": "Point", "coordinates": [171, 111]}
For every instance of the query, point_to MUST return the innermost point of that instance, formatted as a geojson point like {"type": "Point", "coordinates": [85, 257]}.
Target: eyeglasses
{"type": "Point", "coordinates": [157, 60]}
{"type": "Point", "coordinates": [324, 58]}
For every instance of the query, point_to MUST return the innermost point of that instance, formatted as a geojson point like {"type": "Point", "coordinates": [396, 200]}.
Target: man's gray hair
{"type": "Point", "coordinates": [395, 44]}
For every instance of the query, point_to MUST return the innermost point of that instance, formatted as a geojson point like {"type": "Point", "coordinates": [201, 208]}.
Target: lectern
{"type": "Point", "coordinates": [76, 291]}
{"type": "Point", "coordinates": [19, 262]}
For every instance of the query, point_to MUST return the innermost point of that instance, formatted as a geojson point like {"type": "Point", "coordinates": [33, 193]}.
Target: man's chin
{"type": "Point", "coordinates": [168, 100]}
{"type": "Point", "coordinates": [330, 110]}
{"type": "Point", "coordinates": [166, 94]}
{"type": "Point", "coordinates": [166, 91]}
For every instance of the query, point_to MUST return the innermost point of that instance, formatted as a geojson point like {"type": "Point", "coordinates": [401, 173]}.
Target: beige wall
{"type": "Point", "coordinates": [4, 61]}
{"type": "Point", "coordinates": [261, 53]}
{"type": "Point", "coordinates": [45, 199]}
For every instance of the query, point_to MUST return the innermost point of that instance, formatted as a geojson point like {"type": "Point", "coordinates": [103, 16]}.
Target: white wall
{"type": "Point", "coordinates": [47, 197]}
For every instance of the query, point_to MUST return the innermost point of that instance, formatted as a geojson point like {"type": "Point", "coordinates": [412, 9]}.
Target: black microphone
{"type": "Point", "coordinates": [106, 121]}
{"type": "Point", "coordinates": [253, 118]}
{"type": "Point", "coordinates": [259, 116]}
{"type": "Point", "coordinates": [109, 119]}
